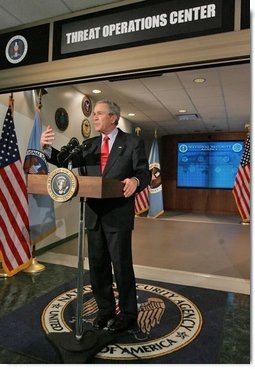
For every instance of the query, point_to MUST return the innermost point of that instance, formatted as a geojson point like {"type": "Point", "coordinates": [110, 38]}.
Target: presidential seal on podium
{"type": "Point", "coordinates": [62, 184]}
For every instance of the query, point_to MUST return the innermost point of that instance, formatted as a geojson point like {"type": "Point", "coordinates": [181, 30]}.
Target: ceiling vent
{"type": "Point", "coordinates": [187, 117]}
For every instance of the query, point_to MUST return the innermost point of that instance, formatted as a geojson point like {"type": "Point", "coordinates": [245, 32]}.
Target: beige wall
{"type": "Point", "coordinates": [67, 214]}
{"type": "Point", "coordinates": [164, 56]}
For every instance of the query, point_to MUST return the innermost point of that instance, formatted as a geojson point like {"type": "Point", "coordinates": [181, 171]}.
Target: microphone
{"type": "Point", "coordinates": [78, 151]}
{"type": "Point", "coordinates": [74, 142]}
{"type": "Point", "coordinates": [66, 150]}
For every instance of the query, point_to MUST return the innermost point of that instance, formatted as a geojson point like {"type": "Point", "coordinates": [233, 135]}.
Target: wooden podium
{"type": "Point", "coordinates": [96, 187]}
{"type": "Point", "coordinates": [88, 187]}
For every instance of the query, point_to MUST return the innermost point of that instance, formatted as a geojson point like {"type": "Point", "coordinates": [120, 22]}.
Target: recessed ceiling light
{"type": "Point", "coordinates": [131, 114]}
{"type": "Point", "coordinates": [96, 91]}
{"type": "Point", "coordinates": [187, 117]}
{"type": "Point", "coordinates": [182, 111]}
{"type": "Point", "coordinates": [199, 80]}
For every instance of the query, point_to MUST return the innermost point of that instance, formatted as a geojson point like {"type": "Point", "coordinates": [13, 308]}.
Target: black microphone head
{"type": "Point", "coordinates": [76, 151]}
{"type": "Point", "coordinates": [74, 142]}
{"type": "Point", "coordinates": [65, 151]}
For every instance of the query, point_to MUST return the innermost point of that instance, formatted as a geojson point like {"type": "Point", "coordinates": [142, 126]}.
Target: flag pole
{"type": "Point", "coordinates": [2, 272]}
{"type": "Point", "coordinates": [11, 105]}
{"type": "Point", "coordinates": [138, 132]}
{"type": "Point", "coordinates": [14, 260]}
{"type": "Point", "coordinates": [11, 102]}
{"type": "Point", "coordinates": [247, 127]}
{"type": "Point", "coordinates": [35, 266]}
{"type": "Point", "coordinates": [141, 197]}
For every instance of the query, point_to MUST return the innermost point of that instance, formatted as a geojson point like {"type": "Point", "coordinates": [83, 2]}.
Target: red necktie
{"type": "Point", "coordinates": [104, 152]}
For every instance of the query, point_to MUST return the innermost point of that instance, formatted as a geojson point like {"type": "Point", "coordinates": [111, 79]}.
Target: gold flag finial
{"type": "Point", "coordinates": [11, 102]}
{"type": "Point", "coordinates": [39, 106]}
{"type": "Point", "coordinates": [247, 127]}
{"type": "Point", "coordinates": [138, 131]}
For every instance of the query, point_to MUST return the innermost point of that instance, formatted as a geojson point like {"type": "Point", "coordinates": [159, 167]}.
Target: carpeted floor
{"type": "Point", "coordinates": [178, 324]}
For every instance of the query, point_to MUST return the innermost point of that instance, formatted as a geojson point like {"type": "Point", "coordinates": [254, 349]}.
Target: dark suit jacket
{"type": "Point", "coordinates": [127, 159]}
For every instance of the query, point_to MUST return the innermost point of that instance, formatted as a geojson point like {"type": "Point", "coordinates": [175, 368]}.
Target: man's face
{"type": "Point", "coordinates": [103, 121]}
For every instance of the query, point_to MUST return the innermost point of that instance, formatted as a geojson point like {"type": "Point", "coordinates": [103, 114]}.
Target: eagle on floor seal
{"type": "Point", "coordinates": [167, 321]}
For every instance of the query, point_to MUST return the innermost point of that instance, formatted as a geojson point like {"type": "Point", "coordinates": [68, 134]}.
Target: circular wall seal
{"type": "Point", "coordinates": [86, 106]}
{"type": "Point", "coordinates": [16, 49]}
{"type": "Point", "coordinates": [61, 119]}
{"type": "Point", "coordinates": [168, 321]}
{"type": "Point", "coordinates": [85, 128]}
{"type": "Point", "coordinates": [62, 184]}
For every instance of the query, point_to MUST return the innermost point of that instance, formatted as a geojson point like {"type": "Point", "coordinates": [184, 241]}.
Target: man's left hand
{"type": "Point", "coordinates": [130, 186]}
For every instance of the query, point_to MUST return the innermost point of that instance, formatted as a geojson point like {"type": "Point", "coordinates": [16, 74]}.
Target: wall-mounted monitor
{"type": "Point", "coordinates": [208, 164]}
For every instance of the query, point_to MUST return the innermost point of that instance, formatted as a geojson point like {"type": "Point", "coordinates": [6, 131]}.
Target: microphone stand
{"type": "Point", "coordinates": [75, 345]}
{"type": "Point", "coordinates": [81, 238]}
{"type": "Point", "coordinates": [79, 323]}
{"type": "Point", "coordinates": [78, 347]}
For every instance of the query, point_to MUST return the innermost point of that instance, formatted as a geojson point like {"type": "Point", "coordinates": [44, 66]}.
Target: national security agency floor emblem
{"type": "Point", "coordinates": [167, 322]}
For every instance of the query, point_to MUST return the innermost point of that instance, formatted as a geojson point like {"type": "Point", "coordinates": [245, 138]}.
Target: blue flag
{"type": "Point", "coordinates": [155, 188]}
{"type": "Point", "coordinates": [41, 207]}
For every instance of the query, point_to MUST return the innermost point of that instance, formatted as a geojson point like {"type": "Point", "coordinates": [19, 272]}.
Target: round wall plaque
{"type": "Point", "coordinates": [85, 128]}
{"type": "Point", "coordinates": [86, 106]}
{"type": "Point", "coordinates": [61, 119]}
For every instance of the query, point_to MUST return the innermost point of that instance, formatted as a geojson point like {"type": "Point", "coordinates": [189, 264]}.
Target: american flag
{"type": "Point", "coordinates": [241, 189]}
{"type": "Point", "coordinates": [15, 252]}
{"type": "Point", "coordinates": [142, 201]}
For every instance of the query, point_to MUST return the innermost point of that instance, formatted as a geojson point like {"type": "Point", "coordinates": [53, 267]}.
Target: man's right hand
{"type": "Point", "coordinates": [47, 137]}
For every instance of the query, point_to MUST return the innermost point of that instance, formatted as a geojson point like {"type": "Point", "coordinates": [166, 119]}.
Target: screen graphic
{"type": "Point", "coordinates": [207, 164]}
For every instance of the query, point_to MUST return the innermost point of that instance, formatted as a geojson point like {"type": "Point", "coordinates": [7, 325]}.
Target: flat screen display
{"type": "Point", "coordinates": [208, 164]}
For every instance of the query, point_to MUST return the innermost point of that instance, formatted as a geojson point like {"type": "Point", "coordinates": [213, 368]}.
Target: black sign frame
{"type": "Point", "coordinates": [37, 46]}
{"type": "Point", "coordinates": [115, 16]}
{"type": "Point", "coordinates": [245, 14]}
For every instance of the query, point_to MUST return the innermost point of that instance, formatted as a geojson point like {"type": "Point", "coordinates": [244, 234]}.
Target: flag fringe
{"type": "Point", "coordinates": [142, 211]}
{"type": "Point", "coordinates": [157, 215]}
{"type": "Point", "coordinates": [16, 270]}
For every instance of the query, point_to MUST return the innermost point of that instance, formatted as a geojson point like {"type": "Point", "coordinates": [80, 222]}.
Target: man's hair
{"type": "Point", "coordinates": [113, 108]}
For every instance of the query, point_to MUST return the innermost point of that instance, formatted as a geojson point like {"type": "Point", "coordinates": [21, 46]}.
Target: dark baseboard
{"type": "Point", "coordinates": [55, 244]}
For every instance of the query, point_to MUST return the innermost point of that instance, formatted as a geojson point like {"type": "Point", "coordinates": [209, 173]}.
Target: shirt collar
{"type": "Point", "coordinates": [111, 135]}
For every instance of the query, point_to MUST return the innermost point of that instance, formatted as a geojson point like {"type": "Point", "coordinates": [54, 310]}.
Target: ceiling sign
{"type": "Point", "coordinates": [24, 47]}
{"type": "Point", "coordinates": [141, 23]}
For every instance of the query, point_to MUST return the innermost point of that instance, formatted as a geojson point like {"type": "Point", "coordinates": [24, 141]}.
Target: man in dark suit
{"type": "Point", "coordinates": [109, 222]}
